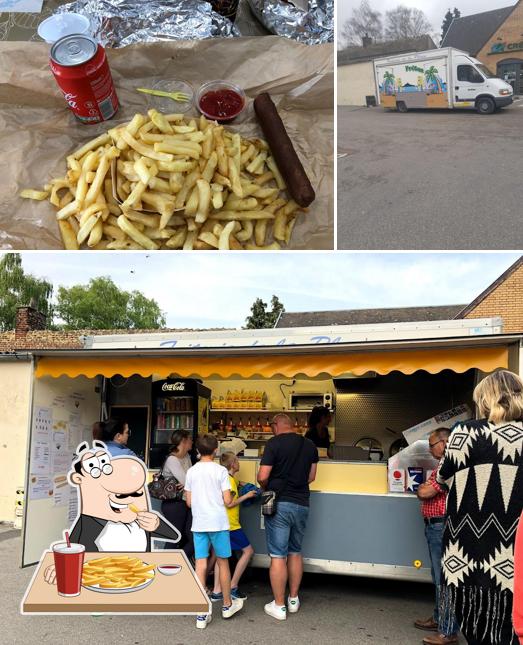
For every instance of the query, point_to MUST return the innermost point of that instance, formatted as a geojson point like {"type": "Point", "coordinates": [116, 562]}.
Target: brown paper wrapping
{"type": "Point", "coordinates": [37, 130]}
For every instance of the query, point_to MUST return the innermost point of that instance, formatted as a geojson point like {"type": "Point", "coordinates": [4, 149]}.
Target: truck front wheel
{"type": "Point", "coordinates": [485, 105]}
{"type": "Point", "coordinates": [401, 107]}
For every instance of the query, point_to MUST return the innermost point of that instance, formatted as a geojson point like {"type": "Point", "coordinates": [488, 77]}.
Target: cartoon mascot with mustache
{"type": "Point", "coordinates": [107, 488]}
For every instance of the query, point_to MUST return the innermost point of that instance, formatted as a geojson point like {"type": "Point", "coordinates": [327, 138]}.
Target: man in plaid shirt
{"type": "Point", "coordinates": [433, 508]}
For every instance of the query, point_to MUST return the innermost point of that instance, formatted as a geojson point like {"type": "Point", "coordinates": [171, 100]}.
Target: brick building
{"type": "Point", "coordinates": [504, 297]}
{"type": "Point", "coordinates": [30, 333]}
{"type": "Point", "coordinates": [495, 38]}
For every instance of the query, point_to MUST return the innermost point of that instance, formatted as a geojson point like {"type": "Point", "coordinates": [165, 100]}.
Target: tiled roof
{"type": "Point", "coordinates": [351, 55]}
{"type": "Point", "coordinates": [47, 339]}
{"type": "Point", "coordinates": [368, 316]}
{"type": "Point", "coordinates": [470, 33]}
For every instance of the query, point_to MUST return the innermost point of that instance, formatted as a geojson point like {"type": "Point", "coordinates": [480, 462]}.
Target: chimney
{"type": "Point", "coordinates": [366, 40]}
{"type": "Point", "coordinates": [28, 319]}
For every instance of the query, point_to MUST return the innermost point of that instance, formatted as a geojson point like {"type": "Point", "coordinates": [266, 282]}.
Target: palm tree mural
{"type": "Point", "coordinates": [433, 80]}
{"type": "Point", "coordinates": [388, 83]}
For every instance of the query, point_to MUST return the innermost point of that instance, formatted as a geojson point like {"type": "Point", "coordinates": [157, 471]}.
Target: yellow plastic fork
{"type": "Point", "coordinates": [175, 96]}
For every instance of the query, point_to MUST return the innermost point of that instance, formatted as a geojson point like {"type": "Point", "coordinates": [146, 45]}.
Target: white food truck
{"type": "Point", "coordinates": [439, 78]}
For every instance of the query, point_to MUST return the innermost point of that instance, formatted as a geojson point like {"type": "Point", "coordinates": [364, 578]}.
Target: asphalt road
{"type": "Point", "coordinates": [429, 179]}
{"type": "Point", "coordinates": [337, 609]}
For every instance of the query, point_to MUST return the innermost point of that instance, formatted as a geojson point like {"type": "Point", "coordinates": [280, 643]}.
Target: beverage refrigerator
{"type": "Point", "coordinates": [178, 404]}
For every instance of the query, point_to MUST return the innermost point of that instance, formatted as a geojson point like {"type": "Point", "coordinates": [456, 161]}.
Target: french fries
{"type": "Point", "coordinates": [122, 572]}
{"type": "Point", "coordinates": [162, 181]}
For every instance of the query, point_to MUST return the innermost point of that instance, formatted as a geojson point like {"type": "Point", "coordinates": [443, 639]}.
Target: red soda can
{"type": "Point", "coordinates": [80, 67]}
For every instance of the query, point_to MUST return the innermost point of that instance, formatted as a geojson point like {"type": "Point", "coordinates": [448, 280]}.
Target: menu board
{"type": "Point", "coordinates": [51, 457]}
{"type": "Point", "coordinates": [63, 413]}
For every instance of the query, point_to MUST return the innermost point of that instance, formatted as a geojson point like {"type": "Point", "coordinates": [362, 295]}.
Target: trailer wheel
{"type": "Point", "coordinates": [485, 105]}
{"type": "Point", "coordinates": [402, 107]}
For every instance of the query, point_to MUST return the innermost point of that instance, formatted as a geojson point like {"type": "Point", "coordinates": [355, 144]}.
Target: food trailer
{"type": "Point", "coordinates": [378, 380]}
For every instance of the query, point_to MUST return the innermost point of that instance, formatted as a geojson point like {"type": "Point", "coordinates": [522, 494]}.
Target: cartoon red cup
{"type": "Point", "coordinates": [68, 562]}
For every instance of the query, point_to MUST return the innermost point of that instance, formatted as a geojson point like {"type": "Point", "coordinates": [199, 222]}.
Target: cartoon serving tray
{"type": "Point", "coordinates": [108, 554]}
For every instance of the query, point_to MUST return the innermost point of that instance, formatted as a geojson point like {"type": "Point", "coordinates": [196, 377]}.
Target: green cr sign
{"type": "Point", "coordinates": [501, 48]}
{"type": "Point", "coordinates": [414, 68]}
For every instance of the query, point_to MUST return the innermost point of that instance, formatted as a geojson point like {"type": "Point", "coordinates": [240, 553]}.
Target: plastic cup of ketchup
{"type": "Point", "coordinates": [220, 101]}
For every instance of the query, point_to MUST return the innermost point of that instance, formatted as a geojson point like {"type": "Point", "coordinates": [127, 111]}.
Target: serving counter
{"type": "Point", "coordinates": [355, 526]}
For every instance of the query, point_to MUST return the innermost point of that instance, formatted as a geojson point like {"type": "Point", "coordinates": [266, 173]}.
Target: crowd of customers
{"type": "Point", "coordinates": [471, 506]}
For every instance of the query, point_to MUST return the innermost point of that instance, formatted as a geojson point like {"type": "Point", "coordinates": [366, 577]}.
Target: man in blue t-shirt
{"type": "Point", "coordinates": [115, 436]}
{"type": "Point", "coordinates": [288, 466]}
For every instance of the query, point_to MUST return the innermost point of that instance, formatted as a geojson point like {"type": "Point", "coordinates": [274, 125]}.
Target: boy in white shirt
{"type": "Point", "coordinates": [208, 489]}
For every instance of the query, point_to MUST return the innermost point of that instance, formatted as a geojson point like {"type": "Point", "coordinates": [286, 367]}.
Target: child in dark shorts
{"type": "Point", "coordinates": [239, 541]}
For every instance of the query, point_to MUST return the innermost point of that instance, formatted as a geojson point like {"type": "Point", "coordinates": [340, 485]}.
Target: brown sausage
{"type": "Point", "coordinates": [288, 162]}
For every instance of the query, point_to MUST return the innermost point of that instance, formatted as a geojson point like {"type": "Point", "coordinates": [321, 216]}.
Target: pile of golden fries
{"type": "Point", "coordinates": [120, 572]}
{"type": "Point", "coordinates": [164, 181]}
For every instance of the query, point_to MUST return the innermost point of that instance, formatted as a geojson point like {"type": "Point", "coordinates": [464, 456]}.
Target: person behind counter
{"type": "Point", "coordinates": [98, 430]}
{"type": "Point", "coordinates": [176, 465]}
{"type": "Point", "coordinates": [318, 431]}
{"type": "Point", "coordinates": [116, 434]}
{"type": "Point", "coordinates": [433, 501]}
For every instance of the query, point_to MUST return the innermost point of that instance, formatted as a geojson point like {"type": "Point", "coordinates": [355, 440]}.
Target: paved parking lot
{"type": "Point", "coordinates": [429, 179]}
{"type": "Point", "coordinates": [335, 609]}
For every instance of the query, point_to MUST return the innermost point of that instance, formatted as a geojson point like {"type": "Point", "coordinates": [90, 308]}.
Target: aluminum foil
{"type": "Point", "coordinates": [117, 23]}
{"type": "Point", "coordinates": [311, 23]}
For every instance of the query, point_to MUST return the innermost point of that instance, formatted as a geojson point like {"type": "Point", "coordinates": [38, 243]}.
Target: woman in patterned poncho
{"type": "Point", "coordinates": [483, 469]}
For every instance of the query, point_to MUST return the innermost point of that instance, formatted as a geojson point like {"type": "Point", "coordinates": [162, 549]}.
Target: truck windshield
{"type": "Point", "coordinates": [485, 71]}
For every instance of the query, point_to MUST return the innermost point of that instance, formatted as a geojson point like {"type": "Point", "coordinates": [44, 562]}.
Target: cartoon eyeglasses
{"type": "Point", "coordinates": [95, 466]}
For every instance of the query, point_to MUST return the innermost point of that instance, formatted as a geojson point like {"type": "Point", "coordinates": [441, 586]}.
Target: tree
{"type": "Point", "coordinates": [260, 318]}
{"type": "Point", "coordinates": [432, 77]}
{"type": "Point", "coordinates": [364, 22]}
{"type": "Point", "coordinates": [447, 21]}
{"type": "Point", "coordinates": [18, 288]}
{"type": "Point", "coordinates": [404, 22]}
{"type": "Point", "coordinates": [103, 305]}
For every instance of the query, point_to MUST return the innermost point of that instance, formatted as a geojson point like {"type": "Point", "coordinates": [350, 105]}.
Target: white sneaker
{"type": "Point", "coordinates": [203, 621]}
{"type": "Point", "coordinates": [236, 605]}
{"type": "Point", "coordinates": [272, 609]}
{"type": "Point", "coordinates": [293, 605]}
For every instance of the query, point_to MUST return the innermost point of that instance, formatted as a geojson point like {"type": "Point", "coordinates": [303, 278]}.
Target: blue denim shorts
{"type": "Point", "coordinates": [285, 529]}
{"type": "Point", "coordinates": [220, 541]}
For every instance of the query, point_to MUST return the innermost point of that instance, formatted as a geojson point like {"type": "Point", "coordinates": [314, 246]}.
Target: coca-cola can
{"type": "Point", "coordinates": [80, 67]}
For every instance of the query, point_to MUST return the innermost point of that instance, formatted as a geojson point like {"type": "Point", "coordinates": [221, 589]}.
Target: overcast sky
{"type": "Point", "coordinates": [435, 10]}
{"type": "Point", "coordinates": [216, 290]}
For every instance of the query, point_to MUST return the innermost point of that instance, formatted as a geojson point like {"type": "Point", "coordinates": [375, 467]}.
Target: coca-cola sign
{"type": "Point", "coordinates": [171, 387]}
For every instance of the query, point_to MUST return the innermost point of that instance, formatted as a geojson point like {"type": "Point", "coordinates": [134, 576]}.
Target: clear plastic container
{"type": "Point", "coordinates": [216, 86]}
{"type": "Point", "coordinates": [63, 24]}
{"type": "Point", "coordinates": [168, 105]}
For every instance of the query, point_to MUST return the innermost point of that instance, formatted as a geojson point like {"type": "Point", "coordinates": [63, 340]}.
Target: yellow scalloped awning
{"type": "Point", "coordinates": [459, 360]}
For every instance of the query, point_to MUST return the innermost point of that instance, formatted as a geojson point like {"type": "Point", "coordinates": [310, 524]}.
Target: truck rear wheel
{"type": "Point", "coordinates": [401, 107]}
{"type": "Point", "coordinates": [485, 105]}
